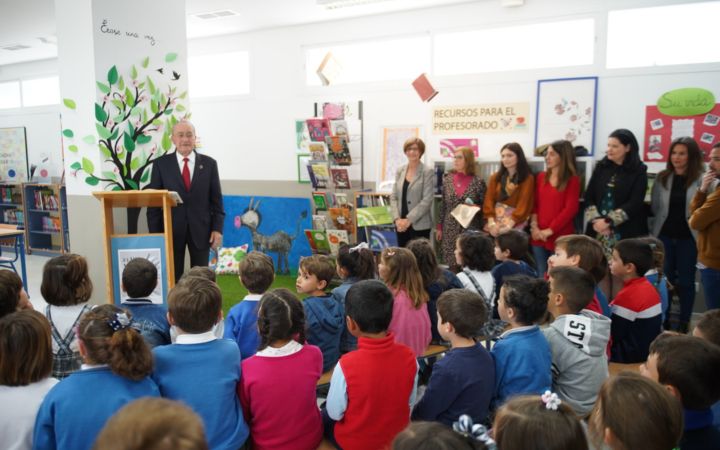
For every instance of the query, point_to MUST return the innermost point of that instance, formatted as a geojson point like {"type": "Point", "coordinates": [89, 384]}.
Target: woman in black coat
{"type": "Point", "coordinates": [615, 197]}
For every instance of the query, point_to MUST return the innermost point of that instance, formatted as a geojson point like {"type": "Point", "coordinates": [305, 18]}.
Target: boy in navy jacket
{"type": "Point", "coordinates": [139, 279]}
{"type": "Point", "coordinates": [324, 316]}
{"type": "Point", "coordinates": [636, 317]}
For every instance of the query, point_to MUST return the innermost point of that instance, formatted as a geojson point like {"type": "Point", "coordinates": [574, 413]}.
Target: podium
{"type": "Point", "coordinates": [120, 248]}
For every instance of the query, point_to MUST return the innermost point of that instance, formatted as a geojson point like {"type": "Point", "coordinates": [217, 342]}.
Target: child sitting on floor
{"type": "Point", "coordinates": [257, 273]}
{"type": "Point", "coordinates": [410, 320]}
{"type": "Point", "coordinates": [353, 264]}
{"type": "Point", "coordinates": [510, 249]}
{"type": "Point", "coordinates": [12, 295]}
{"type": "Point", "coordinates": [657, 278]}
{"type": "Point", "coordinates": [522, 355]}
{"type": "Point", "coordinates": [708, 328]}
{"type": "Point", "coordinates": [139, 279]}
{"type": "Point", "coordinates": [633, 412]}
{"type": "Point", "coordinates": [636, 311]}
{"type": "Point", "coordinates": [578, 339]}
{"type": "Point", "coordinates": [463, 381]}
{"type": "Point", "coordinates": [688, 367]}
{"type": "Point", "coordinates": [324, 316]}
{"type": "Point", "coordinates": [277, 388]}
{"type": "Point", "coordinates": [372, 388]}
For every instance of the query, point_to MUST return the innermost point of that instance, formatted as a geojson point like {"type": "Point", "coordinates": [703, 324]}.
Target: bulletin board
{"type": "Point", "coordinates": [661, 130]}
{"type": "Point", "coordinates": [13, 155]}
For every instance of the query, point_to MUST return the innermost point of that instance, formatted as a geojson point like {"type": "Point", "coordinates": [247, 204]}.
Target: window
{"type": "Point", "coordinates": [536, 46]}
{"type": "Point", "coordinates": [664, 35]}
{"type": "Point", "coordinates": [362, 62]}
{"type": "Point", "coordinates": [220, 74]}
{"type": "Point", "coordinates": [10, 95]}
{"type": "Point", "coordinates": [41, 91]}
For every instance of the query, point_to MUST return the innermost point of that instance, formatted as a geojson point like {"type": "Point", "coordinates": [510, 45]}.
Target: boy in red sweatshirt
{"type": "Point", "coordinates": [636, 310]}
{"type": "Point", "coordinates": [373, 388]}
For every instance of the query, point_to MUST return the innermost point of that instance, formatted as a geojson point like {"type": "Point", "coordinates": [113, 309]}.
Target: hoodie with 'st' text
{"type": "Point", "coordinates": [578, 343]}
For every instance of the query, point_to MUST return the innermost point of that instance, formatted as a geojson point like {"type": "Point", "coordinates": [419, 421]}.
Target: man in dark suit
{"type": "Point", "coordinates": [198, 221]}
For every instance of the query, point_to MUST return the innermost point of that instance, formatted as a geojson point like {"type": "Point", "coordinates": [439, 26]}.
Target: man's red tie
{"type": "Point", "coordinates": [186, 174]}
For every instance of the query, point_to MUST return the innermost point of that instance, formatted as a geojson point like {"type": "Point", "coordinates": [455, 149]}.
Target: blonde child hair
{"type": "Point", "coordinates": [402, 272]}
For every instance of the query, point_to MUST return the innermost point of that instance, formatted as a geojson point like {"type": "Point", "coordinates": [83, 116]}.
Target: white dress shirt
{"type": "Point", "coordinates": [191, 162]}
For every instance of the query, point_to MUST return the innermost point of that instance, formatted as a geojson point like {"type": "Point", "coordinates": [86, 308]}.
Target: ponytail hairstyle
{"type": "Point", "coordinates": [280, 317]}
{"type": "Point", "coordinates": [108, 338]}
{"type": "Point", "coordinates": [358, 262]}
{"type": "Point", "coordinates": [658, 249]}
{"type": "Point", "coordinates": [426, 260]}
{"type": "Point", "coordinates": [403, 273]}
{"type": "Point", "coordinates": [66, 281]}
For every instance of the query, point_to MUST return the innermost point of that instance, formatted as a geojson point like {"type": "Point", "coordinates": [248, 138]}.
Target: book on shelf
{"type": "Point", "coordinates": [318, 241]}
{"type": "Point", "coordinates": [341, 178]}
{"type": "Point", "coordinates": [45, 200]}
{"type": "Point", "coordinates": [8, 195]}
{"type": "Point", "coordinates": [341, 199]}
{"type": "Point", "coordinates": [50, 223]}
{"type": "Point", "coordinates": [318, 151]}
{"type": "Point", "coordinates": [319, 175]}
{"type": "Point", "coordinates": [339, 128]}
{"type": "Point", "coordinates": [333, 111]}
{"type": "Point", "coordinates": [329, 69]}
{"type": "Point", "coordinates": [374, 215]}
{"type": "Point", "coordinates": [339, 150]}
{"type": "Point", "coordinates": [424, 89]}
{"type": "Point", "coordinates": [320, 200]}
{"type": "Point", "coordinates": [341, 218]}
{"type": "Point", "coordinates": [380, 238]}
{"type": "Point", "coordinates": [319, 222]}
{"type": "Point", "coordinates": [336, 238]}
{"type": "Point", "coordinates": [318, 128]}
{"type": "Point", "coordinates": [13, 217]}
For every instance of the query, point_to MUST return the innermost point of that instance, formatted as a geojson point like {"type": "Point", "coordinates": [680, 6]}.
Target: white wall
{"type": "Point", "coordinates": [253, 136]}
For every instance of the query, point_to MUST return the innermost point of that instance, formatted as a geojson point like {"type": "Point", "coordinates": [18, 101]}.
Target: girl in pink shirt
{"type": "Point", "coordinates": [410, 321]}
{"type": "Point", "coordinates": [277, 385]}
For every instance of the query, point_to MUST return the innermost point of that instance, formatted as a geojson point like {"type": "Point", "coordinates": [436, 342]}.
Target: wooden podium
{"type": "Point", "coordinates": [149, 198]}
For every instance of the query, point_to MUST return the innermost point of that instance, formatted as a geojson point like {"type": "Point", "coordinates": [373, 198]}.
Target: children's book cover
{"type": "Point", "coordinates": [342, 219]}
{"type": "Point", "coordinates": [341, 178]}
{"type": "Point", "coordinates": [319, 222]}
{"type": "Point", "coordinates": [322, 173]}
{"type": "Point", "coordinates": [318, 151]}
{"type": "Point", "coordinates": [336, 238]}
{"type": "Point", "coordinates": [318, 241]}
{"type": "Point", "coordinates": [339, 128]}
{"type": "Point", "coordinates": [333, 111]}
{"type": "Point", "coordinates": [341, 199]}
{"type": "Point", "coordinates": [338, 150]}
{"type": "Point", "coordinates": [318, 128]}
{"type": "Point", "coordinates": [320, 201]}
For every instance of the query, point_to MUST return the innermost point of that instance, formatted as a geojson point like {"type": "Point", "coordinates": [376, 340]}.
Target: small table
{"type": "Point", "coordinates": [19, 235]}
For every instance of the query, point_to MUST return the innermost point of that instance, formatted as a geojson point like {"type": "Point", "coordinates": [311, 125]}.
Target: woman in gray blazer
{"type": "Point", "coordinates": [412, 195]}
{"type": "Point", "coordinates": [671, 195]}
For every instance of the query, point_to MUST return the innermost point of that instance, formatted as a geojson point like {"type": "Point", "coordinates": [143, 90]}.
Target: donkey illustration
{"type": "Point", "coordinates": [279, 242]}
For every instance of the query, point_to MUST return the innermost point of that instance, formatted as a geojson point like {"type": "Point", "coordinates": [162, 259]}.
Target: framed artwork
{"type": "Point", "coordinates": [566, 109]}
{"type": "Point", "coordinates": [13, 155]}
{"type": "Point", "coordinates": [303, 159]}
{"type": "Point", "coordinates": [392, 151]}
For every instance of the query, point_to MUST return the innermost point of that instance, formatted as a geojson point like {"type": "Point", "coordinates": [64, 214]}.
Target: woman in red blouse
{"type": "Point", "coordinates": [557, 200]}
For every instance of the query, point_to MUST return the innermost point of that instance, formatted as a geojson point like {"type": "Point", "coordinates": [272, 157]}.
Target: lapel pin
{"type": "Point", "coordinates": [201, 166]}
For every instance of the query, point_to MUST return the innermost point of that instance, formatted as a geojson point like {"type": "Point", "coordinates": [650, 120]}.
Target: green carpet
{"type": "Point", "coordinates": [233, 291]}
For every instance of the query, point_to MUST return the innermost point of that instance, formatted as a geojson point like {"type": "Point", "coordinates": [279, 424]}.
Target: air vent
{"type": "Point", "coordinates": [215, 14]}
{"type": "Point", "coordinates": [335, 4]}
{"type": "Point", "coordinates": [14, 47]}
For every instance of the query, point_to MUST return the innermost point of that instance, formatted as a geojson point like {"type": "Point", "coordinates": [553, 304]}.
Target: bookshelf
{"type": "Point", "coordinates": [372, 209]}
{"type": "Point", "coordinates": [46, 218]}
{"type": "Point", "coordinates": [11, 205]}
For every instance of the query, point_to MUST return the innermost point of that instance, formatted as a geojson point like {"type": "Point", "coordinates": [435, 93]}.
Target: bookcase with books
{"type": "Point", "coordinates": [11, 205]}
{"type": "Point", "coordinates": [46, 218]}
{"type": "Point", "coordinates": [335, 144]}
{"type": "Point", "coordinates": [374, 223]}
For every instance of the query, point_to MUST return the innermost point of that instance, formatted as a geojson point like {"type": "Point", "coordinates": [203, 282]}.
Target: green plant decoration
{"type": "Point", "coordinates": [131, 114]}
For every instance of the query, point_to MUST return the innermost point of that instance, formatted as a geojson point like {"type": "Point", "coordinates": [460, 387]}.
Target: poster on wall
{"type": "Point", "coordinates": [661, 130]}
{"type": "Point", "coordinates": [448, 147]}
{"type": "Point", "coordinates": [126, 248]}
{"type": "Point", "coordinates": [153, 255]}
{"type": "Point", "coordinates": [393, 156]}
{"type": "Point", "coordinates": [13, 155]}
{"type": "Point", "coordinates": [481, 119]}
{"type": "Point", "coordinates": [566, 109]}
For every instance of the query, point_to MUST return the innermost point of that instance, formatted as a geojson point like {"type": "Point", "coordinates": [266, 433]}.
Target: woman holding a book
{"type": "Point", "coordinates": [463, 193]}
{"type": "Point", "coordinates": [412, 195]}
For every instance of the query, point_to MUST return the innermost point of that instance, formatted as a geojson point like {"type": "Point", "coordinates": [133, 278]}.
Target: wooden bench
{"type": "Point", "coordinates": [431, 351]}
{"type": "Point", "coordinates": [616, 368]}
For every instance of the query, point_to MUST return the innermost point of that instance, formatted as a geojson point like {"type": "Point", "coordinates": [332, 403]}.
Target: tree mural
{"type": "Point", "coordinates": [133, 121]}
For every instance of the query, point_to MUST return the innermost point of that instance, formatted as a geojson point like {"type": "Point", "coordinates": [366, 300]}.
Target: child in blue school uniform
{"type": "Point", "coordinates": [257, 273]}
{"type": "Point", "coordinates": [199, 369]}
{"type": "Point", "coordinates": [139, 280]}
{"type": "Point", "coordinates": [116, 370]}
{"type": "Point", "coordinates": [324, 316]}
{"type": "Point", "coordinates": [353, 264]}
{"type": "Point", "coordinates": [510, 249]}
{"type": "Point", "coordinates": [522, 354]}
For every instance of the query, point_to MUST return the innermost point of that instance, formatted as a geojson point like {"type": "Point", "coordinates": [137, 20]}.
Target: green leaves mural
{"type": "Point", "coordinates": [133, 121]}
